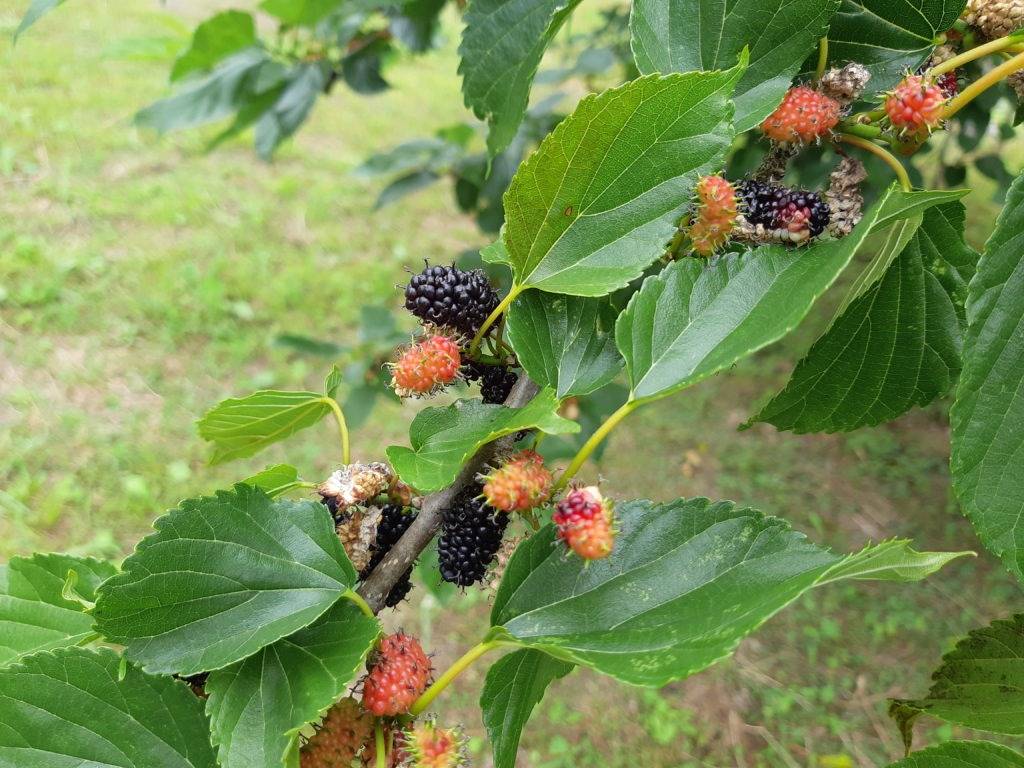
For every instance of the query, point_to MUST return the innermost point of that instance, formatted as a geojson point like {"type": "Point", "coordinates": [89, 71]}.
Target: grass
{"type": "Point", "coordinates": [142, 279]}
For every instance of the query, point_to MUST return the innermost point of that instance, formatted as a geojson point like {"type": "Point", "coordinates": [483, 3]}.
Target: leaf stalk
{"type": "Point", "coordinates": [595, 440]}
{"type": "Point", "coordinates": [339, 416]}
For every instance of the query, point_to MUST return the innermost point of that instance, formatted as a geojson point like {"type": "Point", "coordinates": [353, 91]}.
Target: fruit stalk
{"type": "Point", "coordinates": [595, 440]}
{"type": "Point", "coordinates": [339, 416]}
{"type": "Point", "coordinates": [822, 57]}
{"type": "Point", "coordinates": [378, 742]}
{"type": "Point", "coordinates": [492, 318]}
{"type": "Point", "coordinates": [451, 673]}
{"type": "Point", "coordinates": [884, 154]}
{"type": "Point", "coordinates": [983, 83]}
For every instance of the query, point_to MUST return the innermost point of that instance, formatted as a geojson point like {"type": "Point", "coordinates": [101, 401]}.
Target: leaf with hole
{"type": "Point", "coordinates": [223, 577]}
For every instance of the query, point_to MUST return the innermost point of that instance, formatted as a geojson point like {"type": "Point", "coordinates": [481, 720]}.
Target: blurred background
{"type": "Point", "coordinates": [143, 279]}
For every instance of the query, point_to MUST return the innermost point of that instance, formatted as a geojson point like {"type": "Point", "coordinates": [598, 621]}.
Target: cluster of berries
{"type": "Point", "coordinates": [452, 304]}
{"type": "Point", "coordinates": [398, 674]}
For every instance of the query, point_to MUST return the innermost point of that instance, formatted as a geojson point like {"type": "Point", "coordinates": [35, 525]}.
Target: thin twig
{"type": "Point", "coordinates": [378, 584]}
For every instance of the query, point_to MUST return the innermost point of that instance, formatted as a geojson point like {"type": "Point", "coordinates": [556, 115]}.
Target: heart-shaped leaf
{"type": "Point", "coordinates": [502, 45]}
{"type": "Point", "coordinates": [76, 707]}
{"type": "Point", "coordinates": [444, 438]}
{"type": "Point", "coordinates": [979, 685]}
{"type": "Point", "coordinates": [257, 706]}
{"type": "Point", "coordinates": [988, 415]}
{"type": "Point", "coordinates": [565, 342]}
{"type": "Point", "coordinates": [889, 38]}
{"type": "Point", "coordinates": [691, 35]}
{"type": "Point", "coordinates": [221, 578]}
{"type": "Point", "coordinates": [963, 754]}
{"type": "Point", "coordinates": [515, 685]}
{"type": "Point", "coordinates": [240, 427]}
{"type": "Point", "coordinates": [896, 347]}
{"type": "Point", "coordinates": [684, 584]}
{"type": "Point", "coordinates": [35, 613]}
{"type": "Point", "coordinates": [602, 195]}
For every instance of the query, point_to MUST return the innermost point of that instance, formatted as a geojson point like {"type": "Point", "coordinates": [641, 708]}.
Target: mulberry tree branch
{"type": "Point", "coordinates": [378, 584]}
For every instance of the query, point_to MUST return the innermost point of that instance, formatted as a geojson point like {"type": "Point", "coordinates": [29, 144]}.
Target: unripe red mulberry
{"type": "Point", "coordinates": [519, 485]}
{"type": "Point", "coordinates": [426, 366]}
{"type": "Point", "coordinates": [345, 730]}
{"type": "Point", "coordinates": [915, 106]}
{"type": "Point", "coordinates": [398, 676]}
{"type": "Point", "coordinates": [803, 116]}
{"type": "Point", "coordinates": [715, 215]}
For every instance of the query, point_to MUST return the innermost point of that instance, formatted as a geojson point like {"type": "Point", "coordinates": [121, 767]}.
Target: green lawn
{"type": "Point", "coordinates": [142, 279]}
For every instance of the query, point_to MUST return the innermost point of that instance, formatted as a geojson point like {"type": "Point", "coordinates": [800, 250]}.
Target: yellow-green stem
{"type": "Point", "coordinates": [995, 46]}
{"type": "Point", "coordinates": [356, 598]}
{"type": "Point", "coordinates": [378, 741]}
{"type": "Point", "coordinates": [450, 674]}
{"type": "Point", "coordinates": [491, 318]}
{"type": "Point", "coordinates": [859, 129]}
{"type": "Point", "coordinates": [346, 453]}
{"type": "Point", "coordinates": [884, 154]}
{"type": "Point", "coordinates": [822, 57]}
{"type": "Point", "coordinates": [595, 440]}
{"type": "Point", "coordinates": [983, 83]}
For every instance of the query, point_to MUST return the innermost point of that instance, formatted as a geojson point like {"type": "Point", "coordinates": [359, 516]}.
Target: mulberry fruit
{"type": "Point", "coordinates": [345, 730]}
{"type": "Point", "coordinates": [394, 522]}
{"type": "Point", "coordinates": [584, 522]}
{"type": "Point", "coordinates": [792, 215]}
{"type": "Point", "coordinates": [496, 381]}
{"type": "Point", "coordinates": [803, 116]}
{"type": "Point", "coordinates": [519, 485]}
{"type": "Point", "coordinates": [995, 18]}
{"type": "Point", "coordinates": [398, 676]}
{"type": "Point", "coordinates": [426, 366]}
{"type": "Point", "coordinates": [715, 215]}
{"type": "Point", "coordinates": [915, 106]}
{"type": "Point", "coordinates": [471, 535]}
{"type": "Point", "coordinates": [427, 746]}
{"type": "Point", "coordinates": [451, 297]}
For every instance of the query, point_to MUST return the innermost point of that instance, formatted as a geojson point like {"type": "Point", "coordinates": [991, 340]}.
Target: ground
{"type": "Point", "coordinates": [142, 279]}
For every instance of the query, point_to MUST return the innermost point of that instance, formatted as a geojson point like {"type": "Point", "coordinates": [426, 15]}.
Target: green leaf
{"type": "Point", "coordinates": [896, 347]}
{"type": "Point", "coordinates": [35, 613]}
{"type": "Point", "coordinates": [691, 35]}
{"type": "Point", "coordinates": [963, 754]}
{"type": "Point", "coordinates": [444, 438]}
{"type": "Point", "coordinates": [514, 686]}
{"type": "Point", "coordinates": [889, 38]}
{"type": "Point", "coordinates": [979, 685]}
{"type": "Point", "coordinates": [221, 93]}
{"type": "Point", "coordinates": [602, 195]}
{"type": "Point", "coordinates": [275, 480]}
{"type": "Point", "coordinates": [36, 11]}
{"type": "Point", "coordinates": [891, 560]}
{"type": "Point", "coordinates": [302, 13]}
{"type": "Point", "coordinates": [692, 320]}
{"type": "Point", "coordinates": [75, 707]}
{"type": "Point", "coordinates": [215, 39]}
{"type": "Point", "coordinates": [685, 583]}
{"type": "Point", "coordinates": [257, 706]}
{"type": "Point", "coordinates": [240, 427]}
{"type": "Point", "coordinates": [502, 45]}
{"type": "Point", "coordinates": [565, 342]}
{"type": "Point", "coordinates": [988, 415]}
{"type": "Point", "coordinates": [221, 578]}
{"type": "Point", "coordinates": [302, 87]}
